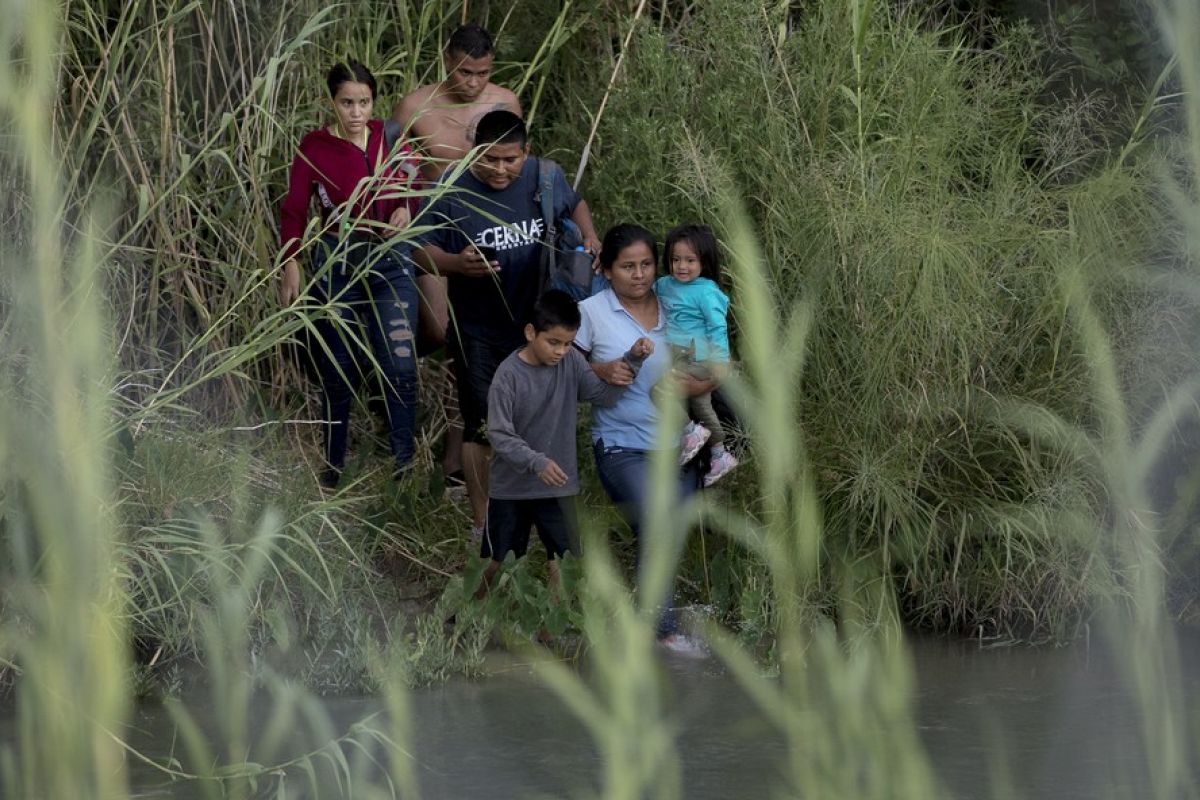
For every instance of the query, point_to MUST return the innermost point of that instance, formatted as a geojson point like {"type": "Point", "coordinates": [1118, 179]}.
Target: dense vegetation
{"type": "Point", "coordinates": [960, 294]}
{"type": "Point", "coordinates": [923, 197]}
{"type": "Point", "coordinates": [927, 206]}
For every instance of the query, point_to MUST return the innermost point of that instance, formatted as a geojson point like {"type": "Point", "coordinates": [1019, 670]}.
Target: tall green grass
{"type": "Point", "coordinates": [927, 198]}
{"type": "Point", "coordinates": [183, 117]}
{"type": "Point", "coordinates": [951, 355]}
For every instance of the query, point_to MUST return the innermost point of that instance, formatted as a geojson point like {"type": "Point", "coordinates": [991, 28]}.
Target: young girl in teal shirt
{"type": "Point", "coordinates": [697, 331]}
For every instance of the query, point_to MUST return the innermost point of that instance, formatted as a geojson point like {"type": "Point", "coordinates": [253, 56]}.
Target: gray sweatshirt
{"type": "Point", "coordinates": [532, 411]}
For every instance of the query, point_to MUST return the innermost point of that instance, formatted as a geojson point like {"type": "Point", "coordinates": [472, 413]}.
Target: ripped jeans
{"type": "Point", "coordinates": [374, 294]}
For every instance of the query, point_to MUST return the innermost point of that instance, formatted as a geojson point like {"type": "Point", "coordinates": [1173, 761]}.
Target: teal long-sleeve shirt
{"type": "Point", "coordinates": [696, 316]}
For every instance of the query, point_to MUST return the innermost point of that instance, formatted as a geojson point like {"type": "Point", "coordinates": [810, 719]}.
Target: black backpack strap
{"type": "Point", "coordinates": [545, 197]}
{"type": "Point", "coordinates": [392, 131]}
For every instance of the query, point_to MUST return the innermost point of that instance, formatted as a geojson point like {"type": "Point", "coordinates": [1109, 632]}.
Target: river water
{"type": "Point", "coordinates": [1057, 722]}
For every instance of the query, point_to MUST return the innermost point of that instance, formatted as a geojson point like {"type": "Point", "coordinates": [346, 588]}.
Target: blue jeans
{"type": "Point", "coordinates": [625, 475]}
{"type": "Point", "coordinates": [375, 299]}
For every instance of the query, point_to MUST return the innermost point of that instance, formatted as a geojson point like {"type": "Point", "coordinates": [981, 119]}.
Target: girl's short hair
{"type": "Point", "coordinates": [350, 72]}
{"type": "Point", "coordinates": [618, 237]}
{"type": "Point", "coordinates": [702, 240]}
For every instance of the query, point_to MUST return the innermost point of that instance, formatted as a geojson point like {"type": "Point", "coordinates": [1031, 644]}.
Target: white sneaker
{"type": "Point", "coordinates": [694, 437]}
{"type": "Point", "coordinates": [721, 466]}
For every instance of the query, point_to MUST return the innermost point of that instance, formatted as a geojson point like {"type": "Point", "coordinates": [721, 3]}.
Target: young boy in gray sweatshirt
{"type": "Point", "coordinates": [532, 412]}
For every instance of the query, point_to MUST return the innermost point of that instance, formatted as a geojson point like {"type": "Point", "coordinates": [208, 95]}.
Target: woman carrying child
{"type": "Point", "coordinates": [364, 197]}
{"type": "Point", "coordinates": [624, 435]}
{"type": "Point", "coordinates": [699, 336]}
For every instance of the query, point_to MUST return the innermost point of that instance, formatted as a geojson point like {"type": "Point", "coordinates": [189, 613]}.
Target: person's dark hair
{"type": "Point", "coordinates": [618, 237]}
{"type": "Point", "coordinates": [351, 72]}
{"type": "Point", "coordinates": [501, 127]}
{"type": "Point", "coordinates": [555, 308]}
{"type": "Point", "coordinates": [701, 238]}
{"type": "Point", "coordinates": [470, 40]}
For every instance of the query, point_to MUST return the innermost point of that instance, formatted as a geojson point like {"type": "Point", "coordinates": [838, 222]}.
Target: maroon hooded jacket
{"type": "Point", "coordinates": [336, 172]}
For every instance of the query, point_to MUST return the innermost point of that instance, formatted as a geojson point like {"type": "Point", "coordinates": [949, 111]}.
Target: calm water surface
{"type": "Point", "coordinates": [1060, 722]}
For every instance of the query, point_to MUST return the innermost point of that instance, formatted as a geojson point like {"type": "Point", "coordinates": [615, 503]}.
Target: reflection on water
{"type": "Point", "coordinates": [1059, 722]}
{"type": "Point", "coordinates": [1056, 722]}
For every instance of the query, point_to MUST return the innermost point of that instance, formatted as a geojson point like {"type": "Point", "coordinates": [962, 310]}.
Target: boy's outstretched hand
{"type": "Point", "coordinates": [642, 348]}
{"type": "Point", "coordinates": [553, 475]}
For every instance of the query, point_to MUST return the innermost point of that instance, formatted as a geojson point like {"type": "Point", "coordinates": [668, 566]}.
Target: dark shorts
{"type": "Point", "coordinates": [475, 363]}
{"type": "Point", "coordinates": [509, 521]}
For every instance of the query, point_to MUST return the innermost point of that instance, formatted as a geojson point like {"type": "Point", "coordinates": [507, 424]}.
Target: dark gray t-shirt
{"type": "Point", "coordinates": [531, 420]}
{"type": "Point", "coordinates": [509, 220]}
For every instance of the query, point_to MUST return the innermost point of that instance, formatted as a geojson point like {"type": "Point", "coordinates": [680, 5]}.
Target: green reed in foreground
{"type": "Point", "coordinates": [63, 617]}
{"type": "Point", "coordinates": [65, 589]}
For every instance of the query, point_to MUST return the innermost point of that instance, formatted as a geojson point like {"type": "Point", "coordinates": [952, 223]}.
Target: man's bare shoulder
{"type": "Point", "coordinates": [500, 97]}
{"type": "Point", "coordinates": [415, 103]}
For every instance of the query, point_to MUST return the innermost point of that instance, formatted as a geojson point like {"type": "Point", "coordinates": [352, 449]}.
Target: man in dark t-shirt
{"type": "Point", "coordinates": [487, 245]}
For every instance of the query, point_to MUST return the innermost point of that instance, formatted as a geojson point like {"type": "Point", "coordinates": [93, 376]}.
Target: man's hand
{"type": "Point", "coordinates": [472, 264]}
{"type": "Point", "coordinates": [592, 245]}
{"type": "Point", "coordinates": [553, 475]}
{"type": "Point", "coordinates": [289, 282]}
{"type": "Point", "coordinates": [400, 218]}
{"type": "Point", "coordinates": [642, 348]}
{"type": "Point", "coordinates": [618, 373]}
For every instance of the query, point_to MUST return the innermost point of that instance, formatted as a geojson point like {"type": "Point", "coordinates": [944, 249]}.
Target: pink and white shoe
{"type": "Point", "coordinates": [694, 437]}
{"type": "Point", "coordinates": [721, 466]}
{"type": "Point", "coordinates": [684, 646]}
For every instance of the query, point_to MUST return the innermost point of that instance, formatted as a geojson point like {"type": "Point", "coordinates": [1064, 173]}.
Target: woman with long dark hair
{"type": "Point", "coordinates": [625, 435]}
{"type": "Point", "coordinates": [363, 196]}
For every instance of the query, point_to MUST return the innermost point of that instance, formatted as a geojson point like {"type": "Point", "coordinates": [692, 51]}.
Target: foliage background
{"type": "Point", "coordinates": [924, 180]}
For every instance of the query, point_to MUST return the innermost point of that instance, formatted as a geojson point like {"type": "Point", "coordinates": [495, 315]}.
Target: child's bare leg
{"type": "Point", "coordinates": [475, 470]}
{"type": "Point", "coordinates": [485, 583]}
{"type": "Point", "coordinates": [554, 579]}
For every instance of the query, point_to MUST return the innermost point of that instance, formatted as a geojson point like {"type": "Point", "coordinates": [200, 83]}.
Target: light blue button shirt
{"type": "Point", "coordinates": [607, 331]}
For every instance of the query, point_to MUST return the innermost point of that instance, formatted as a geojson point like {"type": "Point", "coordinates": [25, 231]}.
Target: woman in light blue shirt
{"type": "Point", "coordinates": [624, 435]}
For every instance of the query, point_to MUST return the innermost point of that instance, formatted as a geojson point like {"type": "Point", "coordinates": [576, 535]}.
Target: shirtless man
{"type": "Point", "coordinates": [439, 120]}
